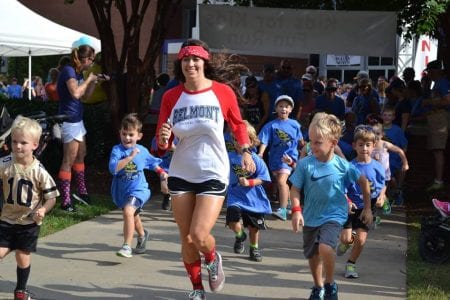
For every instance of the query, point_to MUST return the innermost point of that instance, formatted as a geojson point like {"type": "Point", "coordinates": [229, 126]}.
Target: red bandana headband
{"type": "Point", "coordinates": [198, 51]}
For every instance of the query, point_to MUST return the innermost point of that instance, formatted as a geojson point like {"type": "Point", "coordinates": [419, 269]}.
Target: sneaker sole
{"type": "Point", "coordinates": [75, 196]}
{"type": "Point", "coordinates": [123, 255]}
{"type": "Point", "coordinates": [280, 217]}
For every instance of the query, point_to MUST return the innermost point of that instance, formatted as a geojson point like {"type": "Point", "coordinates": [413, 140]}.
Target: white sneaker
{"type": "Point", "coordinates": [125, 251]}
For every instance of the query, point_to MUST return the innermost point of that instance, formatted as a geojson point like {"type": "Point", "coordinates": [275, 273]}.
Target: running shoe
{"type": "Point", "coordinates": [331, 291]}
{"type": "Point", "coordinates": [317, 293]}
{"type": "Point", "coordinates": [239, 243]}
{"type": "Point", "coordinates": [281, 213]}
{"type": "Point", "coordinates": [435, 187]}
{"type": "Point", "coordinates": [216, 274]}
{"type": "Point", "coordinates": [386, 207]}
{"type": "Point", "coordinates": [82, 198]}
{"type": "Point", "coordinates": [22, 295]}
{"type": "Point", "coordinates": [141, 243]}
{"type": "Point", "coordinates": [350, 271]}
{"type": "Point", "coordinates": [442, 207]}
{"type": "Point", "coordinates": [342, 248]}
{"type": "Point", "coordinates": [166, 203]}
{"type": "Point", "coordinates": [255, 255]}
{"type": "Point", "coordinates": [68, 208]}
{"type": "Point", "coordinates": [197, 295]}
{"type": "Point", "coordinates": [125, 251]}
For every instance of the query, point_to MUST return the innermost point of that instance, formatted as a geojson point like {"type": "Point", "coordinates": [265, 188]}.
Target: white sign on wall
{"type": "Point", "coordinates": [343, 60]}
{"type": "Point", "coordinates": [290, 32]}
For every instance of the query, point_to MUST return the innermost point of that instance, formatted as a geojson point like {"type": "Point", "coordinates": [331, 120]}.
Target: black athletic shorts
{"type": "Point", "coordinates": [22, 237]}
{"type": "Point", "coordinates": [234, 214]}
{"type": "Point", "coordinates": [212, 187]}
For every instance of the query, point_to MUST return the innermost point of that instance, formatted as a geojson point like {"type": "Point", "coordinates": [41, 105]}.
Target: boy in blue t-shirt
{"type": "Point", "coordinates": [282, 137]}
{"type": "Point", "coordinates": [129, 187]}
{"type": "Point", "coordinates": [247, 199]}
{"type": "Point", "coordinates": [323, 177]}
{"type": "Point", "coordinates": [395, 135]}
{"type": "Point", "coordinates": [364, 141]}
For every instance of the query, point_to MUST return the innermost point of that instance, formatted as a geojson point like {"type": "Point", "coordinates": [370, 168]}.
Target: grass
{"type": "Point", "coordinates": [424, 280]}
{"type": "Point", "coordinates": [58, 219]}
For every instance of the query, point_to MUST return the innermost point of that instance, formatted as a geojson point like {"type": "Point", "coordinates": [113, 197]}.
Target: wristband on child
{"type": "Point", "coordinates": [251, 182]}
{"type": "Point", "coordinates": [159, 171]}
{"type": "Point", "coordinates": [296, 208]}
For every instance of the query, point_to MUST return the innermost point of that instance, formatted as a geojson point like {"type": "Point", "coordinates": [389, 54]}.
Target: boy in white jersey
{"type": "Point", "coordinates": [29, 193]}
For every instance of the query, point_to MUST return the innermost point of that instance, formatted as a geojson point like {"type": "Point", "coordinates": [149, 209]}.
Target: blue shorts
{"type": "Point", "coordinates": [212, 187]}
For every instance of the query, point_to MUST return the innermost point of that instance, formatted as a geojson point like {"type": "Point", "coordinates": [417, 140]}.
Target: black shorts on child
{"type": "Point", "coordinates": [256, 220]}
{"type": "Point", "coordinates": [21, 237]}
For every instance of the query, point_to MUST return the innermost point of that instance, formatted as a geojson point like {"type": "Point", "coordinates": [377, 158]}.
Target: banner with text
{"type": "Point", "coordinates": [290, 32]}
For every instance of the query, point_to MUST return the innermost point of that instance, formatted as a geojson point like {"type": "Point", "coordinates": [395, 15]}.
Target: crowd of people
{"type": "Point", "coordinates": [331, 155]}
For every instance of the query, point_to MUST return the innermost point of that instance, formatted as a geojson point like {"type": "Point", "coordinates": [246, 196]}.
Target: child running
{"type": "Point", "coordinates": [247, 198]}
{"type": "Point", "coordinates": [364, 141]}
{"type": "Point", "coordinates": [129, 188]}
{"type": "Point", "coordinates": [323, 178]}
{"type": "Point", "coordinates": [282, 136]}
{"type": "Point", "coordinates": [29, 193]}
{"type": "Point", "coordinates": [381, 154]}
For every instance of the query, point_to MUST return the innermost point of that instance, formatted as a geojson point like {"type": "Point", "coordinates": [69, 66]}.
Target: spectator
{"type": "Point", "coordinates": [289, 84]}
{"type": "Point", "coordinates": [366, 102]}
{"type": "Point", "coordinates": [269, 85]}
{"type": "Point", "coordinates": [50, 87]}
{"type": "Point", "coordinates": [438, 119]}
{"type": "Point", "coordinates": [14, 90]}
{"type": "Point", "coordinates": [330, 102]}
{"type": "Point", "coordinates": [158, 91]}
{"type": "Point", "coordinates": [256, 106]}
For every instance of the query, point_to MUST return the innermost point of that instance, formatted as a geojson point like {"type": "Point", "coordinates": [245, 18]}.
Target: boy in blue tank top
{"type": "Point", "coordinates": [323, 177]}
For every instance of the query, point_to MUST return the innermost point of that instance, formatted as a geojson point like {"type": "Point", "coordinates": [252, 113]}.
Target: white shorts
{"type": "Point", "coordinates": [73, 131]}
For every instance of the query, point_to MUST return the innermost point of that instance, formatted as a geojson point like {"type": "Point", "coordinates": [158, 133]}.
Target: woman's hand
{"type": "Point", "coordinates": [165, 131]}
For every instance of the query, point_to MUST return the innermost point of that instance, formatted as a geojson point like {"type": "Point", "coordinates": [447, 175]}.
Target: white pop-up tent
{"type": "Point", "coordinates": [25, 33]}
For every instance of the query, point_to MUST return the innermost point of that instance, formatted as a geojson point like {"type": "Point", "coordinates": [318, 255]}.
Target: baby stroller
{"type": "Point", "coordinates": [434, 242]}
{"type": "Point", "coordinates": [50, 132]}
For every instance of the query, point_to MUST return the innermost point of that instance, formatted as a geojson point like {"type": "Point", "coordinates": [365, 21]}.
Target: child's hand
{"type": "Point", "coordinates": [297, 221]}
{"type": "Point", "coordinates": [366, 216]}
{"type": "Point", "coordinates": [351, 207]}
{"type": "Point", "coordinates": [134, 153]}
{"type": "Point", "coordinates": [380, 201]}
{"type": "Point", "coordinates": [39, 215]}
{"type": "Point", "coordinates": [243, 181]}
{"type": "Point", "coordinates": [287, 159]}
{"type": "Point", "coordinates": [163, 183]}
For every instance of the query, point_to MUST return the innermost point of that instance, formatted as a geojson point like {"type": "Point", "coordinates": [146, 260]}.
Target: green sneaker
{"type": "Point", "coordinates": [342, 248]}
{"type": "Point", "coordinates": [350, 271]}
{"type": "Point", "coordinates": [125, 251]}
{"type": "Point", "coordinates": [387, 207]}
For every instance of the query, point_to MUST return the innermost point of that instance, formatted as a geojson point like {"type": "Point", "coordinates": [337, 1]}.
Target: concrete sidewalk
{"type": "Point", "coordinates": [80, 263]}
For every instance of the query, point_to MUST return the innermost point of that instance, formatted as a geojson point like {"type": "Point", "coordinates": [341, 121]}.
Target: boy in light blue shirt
{"type": "Point", "coordinates": [323, 178]}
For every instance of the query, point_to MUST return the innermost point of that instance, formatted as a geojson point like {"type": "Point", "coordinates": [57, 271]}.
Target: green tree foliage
{"type": "Point", "coordinates": [132, 75]}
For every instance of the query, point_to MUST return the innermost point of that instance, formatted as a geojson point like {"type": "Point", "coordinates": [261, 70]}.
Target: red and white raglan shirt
{"type": "Point", "coordinates": [197, 120]}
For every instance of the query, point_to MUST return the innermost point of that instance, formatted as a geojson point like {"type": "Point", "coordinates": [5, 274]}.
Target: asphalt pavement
{"type": "Point", "coordinates": [80, 262]}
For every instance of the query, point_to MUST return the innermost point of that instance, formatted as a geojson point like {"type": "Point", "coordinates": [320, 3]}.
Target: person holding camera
{"type": "Point", "coordinates": [72, 88]}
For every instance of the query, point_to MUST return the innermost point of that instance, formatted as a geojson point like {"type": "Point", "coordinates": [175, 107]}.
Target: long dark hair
{"type": "Point", "coordinates": [83, 51]}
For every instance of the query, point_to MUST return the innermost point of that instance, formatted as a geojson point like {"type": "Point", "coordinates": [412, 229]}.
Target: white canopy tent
{"type": "Point", "coordinates": [25, 33]}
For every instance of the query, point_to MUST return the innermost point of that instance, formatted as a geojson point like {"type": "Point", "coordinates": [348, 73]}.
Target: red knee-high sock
{"type": "Point", "coordinates": [194, 271]}
{"type": "Point", "coordinates": [210, 255]}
